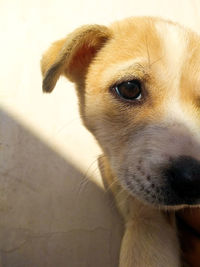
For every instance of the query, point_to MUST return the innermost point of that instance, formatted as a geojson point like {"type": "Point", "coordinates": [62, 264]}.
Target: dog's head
{"type": "Point", "coordinates": [138, 84]}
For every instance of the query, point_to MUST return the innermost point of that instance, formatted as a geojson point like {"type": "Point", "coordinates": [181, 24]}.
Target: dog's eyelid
{"type": "Point", "coordinates": [123, 80]}
{"type": "Point", "coordinates": [126, 78]}
{"type": "Point", "coordinates": [125, 71]}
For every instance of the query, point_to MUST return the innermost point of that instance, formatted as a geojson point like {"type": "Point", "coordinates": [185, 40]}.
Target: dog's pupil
{"type": "Point", "coordinates": [129, 90]}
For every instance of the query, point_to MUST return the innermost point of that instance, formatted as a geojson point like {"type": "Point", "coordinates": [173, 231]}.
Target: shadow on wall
{"type": "Point", "coordinates": [49, 214]}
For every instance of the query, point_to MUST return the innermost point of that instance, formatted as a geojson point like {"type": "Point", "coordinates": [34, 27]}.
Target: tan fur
{"type": "Point", "coordinates": [144, 242]}
{"type": "Point", "coordinates": [96, 57]}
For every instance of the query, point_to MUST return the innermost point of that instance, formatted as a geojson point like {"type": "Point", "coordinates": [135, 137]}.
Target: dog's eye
{"type": "Point", "coordinates": [130, 90]}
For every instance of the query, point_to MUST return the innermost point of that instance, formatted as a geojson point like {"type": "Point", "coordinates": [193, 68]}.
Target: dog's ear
{"type": "Point", "coordinates": [72, 56]}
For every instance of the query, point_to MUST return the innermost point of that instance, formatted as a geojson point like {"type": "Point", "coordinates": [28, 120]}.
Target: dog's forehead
{"type": "Point", "coordinates": [153, 37]}
{"type": "Point", "coordinates": [158, 46]}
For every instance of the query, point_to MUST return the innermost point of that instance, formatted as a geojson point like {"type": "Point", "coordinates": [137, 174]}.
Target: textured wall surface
{"type": "Point", "coordinates": [54, 210]}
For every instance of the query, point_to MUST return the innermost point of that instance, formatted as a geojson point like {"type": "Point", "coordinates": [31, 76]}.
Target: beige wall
{"type": "Point", "coordinates": [53, 208]}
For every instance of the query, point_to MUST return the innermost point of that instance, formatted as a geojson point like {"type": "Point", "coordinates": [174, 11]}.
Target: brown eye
{"type": "Point", "coordinates": [130, 90]}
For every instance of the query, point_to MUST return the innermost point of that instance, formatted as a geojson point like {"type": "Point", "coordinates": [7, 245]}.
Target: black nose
{"type": "Point", "coordinates": [183, 176]}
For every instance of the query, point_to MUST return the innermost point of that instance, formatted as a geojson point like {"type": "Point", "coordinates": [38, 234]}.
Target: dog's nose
{"type": "Point", "coordinates": [183, 176]}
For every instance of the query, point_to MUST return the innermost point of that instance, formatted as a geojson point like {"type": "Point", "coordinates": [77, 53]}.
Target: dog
{"type": "Point", "coordinates": [138, 86]}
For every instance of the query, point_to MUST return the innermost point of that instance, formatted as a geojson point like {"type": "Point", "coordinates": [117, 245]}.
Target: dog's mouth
{"type": "Point", "coordinates": [163, 197]}
{"type": "Point", "coordinates": [176, 184]}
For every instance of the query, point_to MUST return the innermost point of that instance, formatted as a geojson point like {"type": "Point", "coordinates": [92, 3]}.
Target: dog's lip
{"type": "Point", "coordinates": [162, 197]}
{"type": "Point", "coordinates": [169, 201]}
{"type": "Point", "coordinates": [174, 202]}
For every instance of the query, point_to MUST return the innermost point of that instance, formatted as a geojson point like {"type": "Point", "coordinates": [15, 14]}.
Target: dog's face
{"type": "Point", "coordinates": [139, 90]}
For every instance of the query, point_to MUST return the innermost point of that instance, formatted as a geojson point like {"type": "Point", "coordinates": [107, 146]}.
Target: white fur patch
{"type": "Point", "coordinates": [175, 113]}
{"type": "Point", "coordinates": [174, 42]}
{"type": "Point", "coordinates": [174, 45]}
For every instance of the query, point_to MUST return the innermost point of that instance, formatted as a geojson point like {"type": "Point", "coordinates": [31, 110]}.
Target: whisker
{"type": "Point", "coordinates": [66, 125]}
{"type": "Point", "coordinates": [70, 122]}
{"type": "Point", "coordinates": [89, 167]}
{"type": "Point", "coordinates": [85, 180]}
{"type": "Point", "coordinates": [82, 185]}
{"type": "Point", "coordinates": [109, 186]}
{"type": "Point", "coordinates": [155, 61]}
{"type": "Point", "coordinates": [148, 54]}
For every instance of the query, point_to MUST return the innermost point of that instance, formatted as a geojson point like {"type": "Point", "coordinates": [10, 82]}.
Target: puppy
{"type": "Point", "coordinates": [138, 85]}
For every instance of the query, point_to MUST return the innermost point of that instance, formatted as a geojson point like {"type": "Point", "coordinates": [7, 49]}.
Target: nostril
{"type": "Point", "coordinates": [183, 175]}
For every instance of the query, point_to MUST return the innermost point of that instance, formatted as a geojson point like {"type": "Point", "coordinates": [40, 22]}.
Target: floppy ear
{"type": "Point", "coordinates": [72, 56]}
